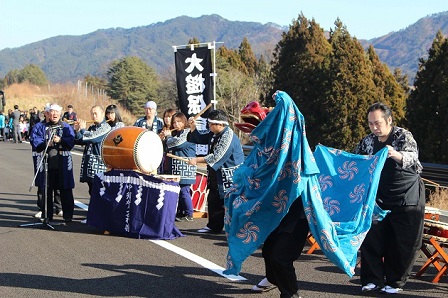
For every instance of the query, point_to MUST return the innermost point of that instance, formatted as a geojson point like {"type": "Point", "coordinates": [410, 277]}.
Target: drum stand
{"type": "Point", "coordinates": [43, 162]}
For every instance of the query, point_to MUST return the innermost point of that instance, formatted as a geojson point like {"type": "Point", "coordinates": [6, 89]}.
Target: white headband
{"type": "Point", "coordinates": [218, 122]}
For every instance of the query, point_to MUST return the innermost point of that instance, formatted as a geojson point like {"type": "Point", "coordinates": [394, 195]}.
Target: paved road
{"type": "Point", "coordinates": [79, 261]}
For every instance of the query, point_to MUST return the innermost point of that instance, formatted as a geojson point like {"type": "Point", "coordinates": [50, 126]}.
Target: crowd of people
{"type": "Point", "coordinates": [16, 124]}
{"type": "Point", "coordinates": [387, 253]}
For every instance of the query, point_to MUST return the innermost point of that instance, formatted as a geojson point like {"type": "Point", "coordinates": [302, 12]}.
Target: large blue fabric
{"type": "Point", "coordinates": [337, 189]}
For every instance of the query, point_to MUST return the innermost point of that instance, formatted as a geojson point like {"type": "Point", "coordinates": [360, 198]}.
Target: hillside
{"type": "Point", "coordinates": [404, 48]}
{"type": "Point", "coordinates": [68, 58]}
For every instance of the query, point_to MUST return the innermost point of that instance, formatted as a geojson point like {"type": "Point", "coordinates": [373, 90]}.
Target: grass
{"type": "Point", "coordinates": [438, 198]}
{"type": "Point", "coordinates": [27, 96]}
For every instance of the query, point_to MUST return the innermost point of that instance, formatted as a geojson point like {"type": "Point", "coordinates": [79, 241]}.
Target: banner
{"type": "Point", "coordinates": [194, 82]}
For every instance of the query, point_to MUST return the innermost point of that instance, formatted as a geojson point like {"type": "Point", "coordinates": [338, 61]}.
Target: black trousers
{"type": "Point", "coordinates": [397, 239]}
{"type": "Point", "coordinates": [282, 247]}
{"type": "Point", "coordinates": [215, 206]}
{"type": "Point", "coordinates": [56, 200]}
{"type": "Point", "coordinates": [67, 200]}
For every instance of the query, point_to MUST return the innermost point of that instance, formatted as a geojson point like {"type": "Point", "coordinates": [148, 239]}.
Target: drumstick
{"type": "Point", "coordinates": [177, 157]}
{"type": "Point", "coordinates": [88, 121]}
{"type": "Point", "coordinates": [202, 111]}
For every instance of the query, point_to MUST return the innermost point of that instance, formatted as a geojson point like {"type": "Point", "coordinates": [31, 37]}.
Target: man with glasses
{"type": "Point", "coordinates": [150, 121]}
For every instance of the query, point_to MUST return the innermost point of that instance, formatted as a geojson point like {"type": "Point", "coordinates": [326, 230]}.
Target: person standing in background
{"type": "Point", "coordinates": [165, 167]}
{"type": "Point", "coordinates": [2, 101]}
{"type": "Point", "coordinates": [2, 126]}
{"type": "Point", "coordinates": [69, 116]}
{"type": "Point", "coordinates": [34, 118]}
{"type": "Point", "coordinates": [15, 116]}
{"type": "Point", "coordinates": [150, 121]}
{"type": "Point", "coordinates": [113, 117]}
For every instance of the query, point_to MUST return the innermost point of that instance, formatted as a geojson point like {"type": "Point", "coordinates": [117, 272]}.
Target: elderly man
{"type": "Point", "coordinates": [58, 139]}
{"type": "Point", "coordinates": [150, 121]}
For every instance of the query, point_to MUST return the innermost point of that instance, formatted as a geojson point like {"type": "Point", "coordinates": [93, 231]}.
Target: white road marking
{"type": "Point", "coordinates": [185, 253]}
{"type": "Point", "coordinates": [197, 259]}
{"type": "Point", "coordinates": [81, 205]}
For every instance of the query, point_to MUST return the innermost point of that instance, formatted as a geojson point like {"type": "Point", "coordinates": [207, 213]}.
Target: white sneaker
{"type": "Point", "coordinates": [38, 214]}
{"type": "Point", "coordinates": [391, 290]}
{"type": "Point", "coordinates": [205, 230]}
{"type": "Point", "coordinates": [370, 287]}
{"type": "Point", "coordinates": [60, 213]}
{"type": "Point", "coordinates": [263, 286]}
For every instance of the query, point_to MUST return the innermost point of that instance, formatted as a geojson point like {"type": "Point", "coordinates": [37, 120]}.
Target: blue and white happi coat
{"type": "Point", "coordinates": [337, 189]}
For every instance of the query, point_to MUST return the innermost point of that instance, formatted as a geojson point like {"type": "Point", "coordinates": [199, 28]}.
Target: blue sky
{"type": "Point", "coordinates": [26, 21]}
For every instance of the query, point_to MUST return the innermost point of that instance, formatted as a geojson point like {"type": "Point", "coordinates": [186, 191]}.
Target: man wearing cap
{"type": "Point", "coordinates": [58, 137]}
{"type": "Point", "coordinates": [150, 121]}
{"type": "Point", "coordinates": [37, 157]}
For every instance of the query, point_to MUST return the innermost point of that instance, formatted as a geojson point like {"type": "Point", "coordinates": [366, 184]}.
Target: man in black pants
{"type": "Point", "coordinates": [282, 247]}
{"type": "Point", "coordinates": [390, 247]}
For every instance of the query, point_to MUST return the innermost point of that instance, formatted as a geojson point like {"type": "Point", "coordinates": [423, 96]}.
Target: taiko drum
{"type": "Point", "coordinates": [132, 148]}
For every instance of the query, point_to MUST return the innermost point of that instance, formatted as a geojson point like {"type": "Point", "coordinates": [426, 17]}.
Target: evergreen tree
{"type": "Point", "coordinates": [352, 90]}
{"type": "Point", "coordinates": [229, 58]}
{"type": "Point", "coordinates": [33, 74]}
{"type": "Point", "coordinates": [194, 40]}
{"type": "Point", "coordinates": [427, 107]}
{"type": "Point", "coordinates": [263, 78]}
{"type": "Point", "coordinates": [12, 77]}
{"type": "Point", "coordinates": [402, 80]}
{"type": "Point", "coordinates": [247, 57]}
{"type": "Point", "coordinates": [132, 82]}
{"type": "Point", "coordinates": [300, 68]}
{"type": "Point", "coordinates": [96, 82]}
{"type": "Point", "coordinates": [388, 90]}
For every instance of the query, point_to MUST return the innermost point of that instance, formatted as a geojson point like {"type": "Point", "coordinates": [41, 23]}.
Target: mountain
{"type": "Point", "coordinates": [404, 48]}
{"type": "Point", "coordinates": [68, 58]}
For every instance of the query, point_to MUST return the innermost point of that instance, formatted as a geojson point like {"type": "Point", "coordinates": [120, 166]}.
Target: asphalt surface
{"type": "Point", "coordinates": [80, 261]}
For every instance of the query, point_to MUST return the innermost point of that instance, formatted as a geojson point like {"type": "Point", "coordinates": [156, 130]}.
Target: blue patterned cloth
{"type": "Point", "coordinates": [337, 189]}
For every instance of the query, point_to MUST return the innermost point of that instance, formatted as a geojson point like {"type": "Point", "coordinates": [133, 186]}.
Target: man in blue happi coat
{"type": "Point", "coordinates": [60, 138]}
{"type": "Point", "coordinates": [225, 155]}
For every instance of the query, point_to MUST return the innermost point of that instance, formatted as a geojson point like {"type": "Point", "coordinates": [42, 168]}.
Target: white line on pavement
{"type": "Point", "coordinates": [197, 259]}
{"type": "Point", "coordinates": [185, 253]}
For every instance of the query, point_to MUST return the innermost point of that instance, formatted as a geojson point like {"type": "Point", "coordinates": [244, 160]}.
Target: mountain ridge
{"type": "Point", "coordinates": [71, 57]}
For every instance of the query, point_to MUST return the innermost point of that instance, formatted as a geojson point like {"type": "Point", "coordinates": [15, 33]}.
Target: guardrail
{"type": "Point", "coordinates": [435, 173]}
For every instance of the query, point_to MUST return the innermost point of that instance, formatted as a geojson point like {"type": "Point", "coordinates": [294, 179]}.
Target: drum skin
{"type": "Point", "coordinates": [132, 148]}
